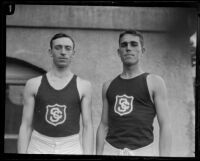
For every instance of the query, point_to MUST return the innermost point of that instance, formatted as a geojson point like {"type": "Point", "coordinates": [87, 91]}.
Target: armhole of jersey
{"type": "Point", "coordinates": [39, 85]}
{"type": "Point", "coordinates": [77, 86]}
{"type": "Point", "coordinates": [106, 94]}
{"type": "Point", "coordinates": [151, 97]}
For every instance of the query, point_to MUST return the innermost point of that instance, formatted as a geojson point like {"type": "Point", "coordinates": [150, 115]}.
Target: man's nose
{"type": "Point", "coordinates": [63, 51]}
{"type": "Point", "coordinates": [128, 47]}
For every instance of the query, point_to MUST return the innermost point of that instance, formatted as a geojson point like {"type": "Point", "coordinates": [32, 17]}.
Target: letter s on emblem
{"type": "Point", "coordinates": [55, 114]}
{"type": "Point", "coordinates": [123, 104]}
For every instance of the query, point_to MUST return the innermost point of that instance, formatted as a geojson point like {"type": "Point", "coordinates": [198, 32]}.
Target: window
{"type": "Point", "coordinates": [13, 115]}
{"type": "Point", "coordinates": [17, 73]}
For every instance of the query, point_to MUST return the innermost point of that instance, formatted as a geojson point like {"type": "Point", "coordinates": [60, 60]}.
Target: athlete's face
{"type": "Point", "coordinates": [130, 49]}
{"type": "Point", "coordinates": [62, 52]}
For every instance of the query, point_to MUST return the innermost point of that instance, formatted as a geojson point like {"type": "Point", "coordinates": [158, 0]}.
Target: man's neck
{"type": "Point", "coordinates": [60, 73]}
{"type": "Point", "coordinates": [131, 71]}
{"type": "Point", "coordinates": [58, 79]}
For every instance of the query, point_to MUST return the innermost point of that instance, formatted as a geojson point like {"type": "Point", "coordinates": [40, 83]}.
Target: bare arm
{"type": "Point", "coordinates": [162, 110]}
{"type": "Point", "coordinates": [26, 125]}
{"type": "Point", "coordinates": [87, 135]}
{"type": "Point", "coordinates": [103, 126]}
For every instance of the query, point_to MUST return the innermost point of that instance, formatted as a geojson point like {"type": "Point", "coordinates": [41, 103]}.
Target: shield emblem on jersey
{"type": "Point", "coordinates": [123, 104]}
{"type": "Point", "coordinates": [55, 114]}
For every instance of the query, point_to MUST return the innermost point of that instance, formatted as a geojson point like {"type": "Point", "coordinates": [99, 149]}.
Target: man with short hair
{"type": "Point", "coordinates": [130, 103]}
{"type": "Point", "coordinates": [53, 104]}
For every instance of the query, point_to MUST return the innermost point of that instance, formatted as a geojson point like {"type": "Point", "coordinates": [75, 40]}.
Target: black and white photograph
{"type": "Point", "coordinates": [101, 79]}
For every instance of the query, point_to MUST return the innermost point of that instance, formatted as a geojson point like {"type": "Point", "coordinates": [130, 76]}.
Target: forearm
{"type": "Point", "coordinates": [87, 139]}
{"type": "Point", "coordinates": [101, 134]}
{"type": "Point", "coordinates": [23, 139]}
{"type": "Point", "coordinates": [165, 142]}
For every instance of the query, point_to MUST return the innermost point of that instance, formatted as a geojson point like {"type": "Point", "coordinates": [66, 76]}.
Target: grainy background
{"type": "Point", "coordinates": [95, 31]}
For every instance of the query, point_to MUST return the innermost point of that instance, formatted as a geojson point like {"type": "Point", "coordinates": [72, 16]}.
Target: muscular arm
{"type": "Point", "coordinates": [87, 135]}
{"type": "Point", "coordinates": [162, 110]}
{"type": "Point", "coordinates": [26, 125]}
{"type": "Point", "coordinates": [103, 126]}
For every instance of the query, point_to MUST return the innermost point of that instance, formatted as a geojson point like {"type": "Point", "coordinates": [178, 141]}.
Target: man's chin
{"type": "Point", "coordinates": [129, 63]}
{"type": "Point", "coordinates": [62, 65]}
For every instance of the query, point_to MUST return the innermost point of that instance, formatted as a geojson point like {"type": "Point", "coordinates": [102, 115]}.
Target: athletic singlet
{"type": "Point", "coordinates": [57, 112]}
{"type": "Point", "coordinates": [131, 113]}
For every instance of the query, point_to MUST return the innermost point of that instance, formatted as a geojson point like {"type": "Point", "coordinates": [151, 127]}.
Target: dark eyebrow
{"type": "Point", "coordinates": [59, 45]}
{"type": "Point", "coordinates": [68, 46]}
{"type": "Point", "coordinates": [132, 43]}
{"type": "Point", "coordinates": [129, 42]}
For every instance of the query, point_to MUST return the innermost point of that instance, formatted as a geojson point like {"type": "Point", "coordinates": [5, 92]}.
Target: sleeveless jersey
{"type": "Point", "coordinates": [57, 112]}
{"type": "Point", "coordinates": [131, 113]}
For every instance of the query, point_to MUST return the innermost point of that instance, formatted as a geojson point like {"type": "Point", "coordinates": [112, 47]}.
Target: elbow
{"type": "Point", "coordinates": [106, 128]}
{"type": "Point", "coordinates": [25, 127]}
{"type": "Point", "coordinates": [165, 129]}
{"type": "Point", "coordinates": [103, 126]}
{"type": "Point", "coordinates": [87, 125]}
{"type": "Point", "coordinates": [165, 125]}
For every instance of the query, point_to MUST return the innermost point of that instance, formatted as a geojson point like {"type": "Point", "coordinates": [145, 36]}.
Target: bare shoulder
{"type": "Point", "coordinates": [105, 86]}
{"type": "Point", "coordinates": [33, 84]}
{"type": "Point", "coordinates": [155, 81]}
{"type": "Point", "coordinates": [83, 83]}
{"type": "Point", "coordinates": [155, 78]}
{"type": "Point", "coordinates": [84, 87]}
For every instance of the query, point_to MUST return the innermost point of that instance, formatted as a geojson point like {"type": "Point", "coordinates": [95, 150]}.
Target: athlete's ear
{"type": "Point", "coordinates": [143, 50]}
{"type": "Point", "coordinates": [118, 52]}
{"type": "Point", "coordinates": [73, 52]}
{"type": "Point", "coordinates": [50, 52]}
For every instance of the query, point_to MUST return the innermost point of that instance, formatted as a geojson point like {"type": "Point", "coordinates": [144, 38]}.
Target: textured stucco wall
{"type": "Point", "coordinates": [96, 57]}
